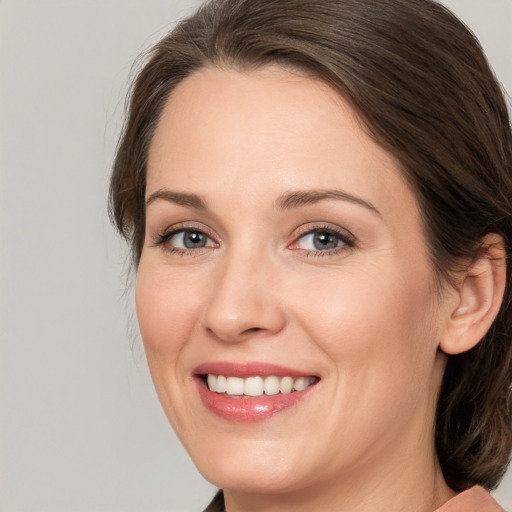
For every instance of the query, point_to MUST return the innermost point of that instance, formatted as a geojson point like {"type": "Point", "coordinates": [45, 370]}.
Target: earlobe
{"type": "Point", "coordinates": [480, 295]}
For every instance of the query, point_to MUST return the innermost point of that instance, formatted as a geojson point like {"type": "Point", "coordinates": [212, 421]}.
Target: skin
{"type": "Point", "coordinates": [364, 317]}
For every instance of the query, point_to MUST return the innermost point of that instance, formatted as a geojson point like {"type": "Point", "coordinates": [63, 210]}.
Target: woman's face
{"type": "Point", "coordinates": [284, 249]}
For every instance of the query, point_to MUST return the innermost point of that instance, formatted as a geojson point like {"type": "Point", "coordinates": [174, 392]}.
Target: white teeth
{"type": "Point", "coordinates": [234, 386]}
{"type": "Point", "coordinates": [300, 384]}
{"type": "Point", "coordinates": [286, 385]}
{"type": "Point", "coordinates": [221, 384]}
{"type": "Point", "coordinates": [253, 386]}
{"type": "Point", "coordinates": [257, 386]}
{"type": "Point", "coordinates": [271, 385]}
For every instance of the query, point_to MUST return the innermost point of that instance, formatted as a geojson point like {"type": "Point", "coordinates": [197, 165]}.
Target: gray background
{"type": "Point", "coordinates": [80, 425]}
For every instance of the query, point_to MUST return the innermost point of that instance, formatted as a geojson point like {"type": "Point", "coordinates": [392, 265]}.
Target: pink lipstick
{"type": "Point", "coordinates": [250, 391]}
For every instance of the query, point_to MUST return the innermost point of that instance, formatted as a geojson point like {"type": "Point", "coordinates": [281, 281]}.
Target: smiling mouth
{"type": "Point", "coordinates": [256, 386]}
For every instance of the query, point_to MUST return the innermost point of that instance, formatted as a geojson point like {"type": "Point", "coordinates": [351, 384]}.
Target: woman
{"type": "Point", "coordinates": [318, 198]}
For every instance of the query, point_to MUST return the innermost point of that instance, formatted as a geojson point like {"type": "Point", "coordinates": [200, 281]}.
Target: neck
{"type": "Point", "coordinates": [409, 481]}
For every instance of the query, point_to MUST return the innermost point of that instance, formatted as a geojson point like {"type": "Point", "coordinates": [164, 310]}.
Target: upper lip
{"type": "Point", "coordinates": [248, 369]}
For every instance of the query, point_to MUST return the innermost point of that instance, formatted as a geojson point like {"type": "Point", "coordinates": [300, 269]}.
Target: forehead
{"type": "Point", "coordinates": [268, 129]}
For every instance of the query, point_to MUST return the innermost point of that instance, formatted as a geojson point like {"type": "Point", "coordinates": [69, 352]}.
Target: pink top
{"type": "Point", "coordinates": [476, 499]}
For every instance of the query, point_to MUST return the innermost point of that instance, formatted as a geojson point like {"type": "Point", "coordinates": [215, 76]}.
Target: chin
{"type": "Point", "coordinates": [250, 469]}
{"type": "Point", "coordinates": [258, 480]}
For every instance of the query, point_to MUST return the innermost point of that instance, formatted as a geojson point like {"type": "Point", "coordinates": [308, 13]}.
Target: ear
{"type": "Point", "coordinates": [479, 296]}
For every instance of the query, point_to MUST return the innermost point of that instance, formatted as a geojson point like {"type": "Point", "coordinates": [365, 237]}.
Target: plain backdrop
{"type": "Point", "coordinates": [80, 426]}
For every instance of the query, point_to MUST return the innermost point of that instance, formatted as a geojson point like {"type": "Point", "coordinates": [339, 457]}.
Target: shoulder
{"type": "Point", "coordinates": [476, 499]}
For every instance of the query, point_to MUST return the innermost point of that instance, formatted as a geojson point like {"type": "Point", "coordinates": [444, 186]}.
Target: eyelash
{"type": "Point", "coordinates": [347, 241]}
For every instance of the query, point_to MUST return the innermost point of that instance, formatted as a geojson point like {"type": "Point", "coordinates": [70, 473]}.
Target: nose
{"type": "Point", "coordinates": [243, 301]}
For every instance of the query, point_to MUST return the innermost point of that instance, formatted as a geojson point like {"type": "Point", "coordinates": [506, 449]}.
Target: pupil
{"type": "Point", "coordinates": [324, 240]}
{"type": "Point", "coordinates": [194, 239]}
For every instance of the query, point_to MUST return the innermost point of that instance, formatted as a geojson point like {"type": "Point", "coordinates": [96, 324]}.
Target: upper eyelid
{"type": "Point", "coordinates": [185, 226]}
{"type": "Point", "coordinates": [338, 230]}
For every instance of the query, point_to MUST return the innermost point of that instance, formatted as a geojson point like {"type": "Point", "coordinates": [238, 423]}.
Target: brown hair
{"type": "Point", "coordinates": [420, 82]}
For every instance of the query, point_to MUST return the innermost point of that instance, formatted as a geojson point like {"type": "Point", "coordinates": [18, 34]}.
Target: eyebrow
{"type": "Point", "coordinates": [298, 198]}
{"type": "Point", "coordinates": [287, 201]}
{"type": "Point", "coordinates": [180, 198]}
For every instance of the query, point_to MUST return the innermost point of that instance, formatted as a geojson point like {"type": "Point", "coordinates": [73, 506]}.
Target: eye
{"type": "Point", "coordinates": [325, 240]}
{"type": "Point", "coordinates": [183, 240]}
{"type": "Point", "coordinates": [319, 241]}
{"type": "Point", "coordinates": [190, 239]}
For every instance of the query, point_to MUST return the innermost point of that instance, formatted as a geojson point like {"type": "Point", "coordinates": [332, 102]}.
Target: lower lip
{"type": "Point", "coordinates": [248, 409]}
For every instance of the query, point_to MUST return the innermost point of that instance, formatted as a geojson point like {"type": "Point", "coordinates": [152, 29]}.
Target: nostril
{"type": "Point", "coordinates": [232, 320]}
{"type": "Point", "coordinates": [234, 335]}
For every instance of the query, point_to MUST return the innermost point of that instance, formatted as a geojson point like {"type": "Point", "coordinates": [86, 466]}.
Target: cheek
{"type": "Point", "coordinates": [167, 308]}
{"type": "Point", "coordinates": [377, 328]}
{"type": "Point", "coordinates": [167, 311]}
{"type": "Point", "coordinates": [383, 303]}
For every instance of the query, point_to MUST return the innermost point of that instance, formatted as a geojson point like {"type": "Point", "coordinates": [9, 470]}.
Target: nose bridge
{"type": "Point", "coordinates": [242, 299]}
